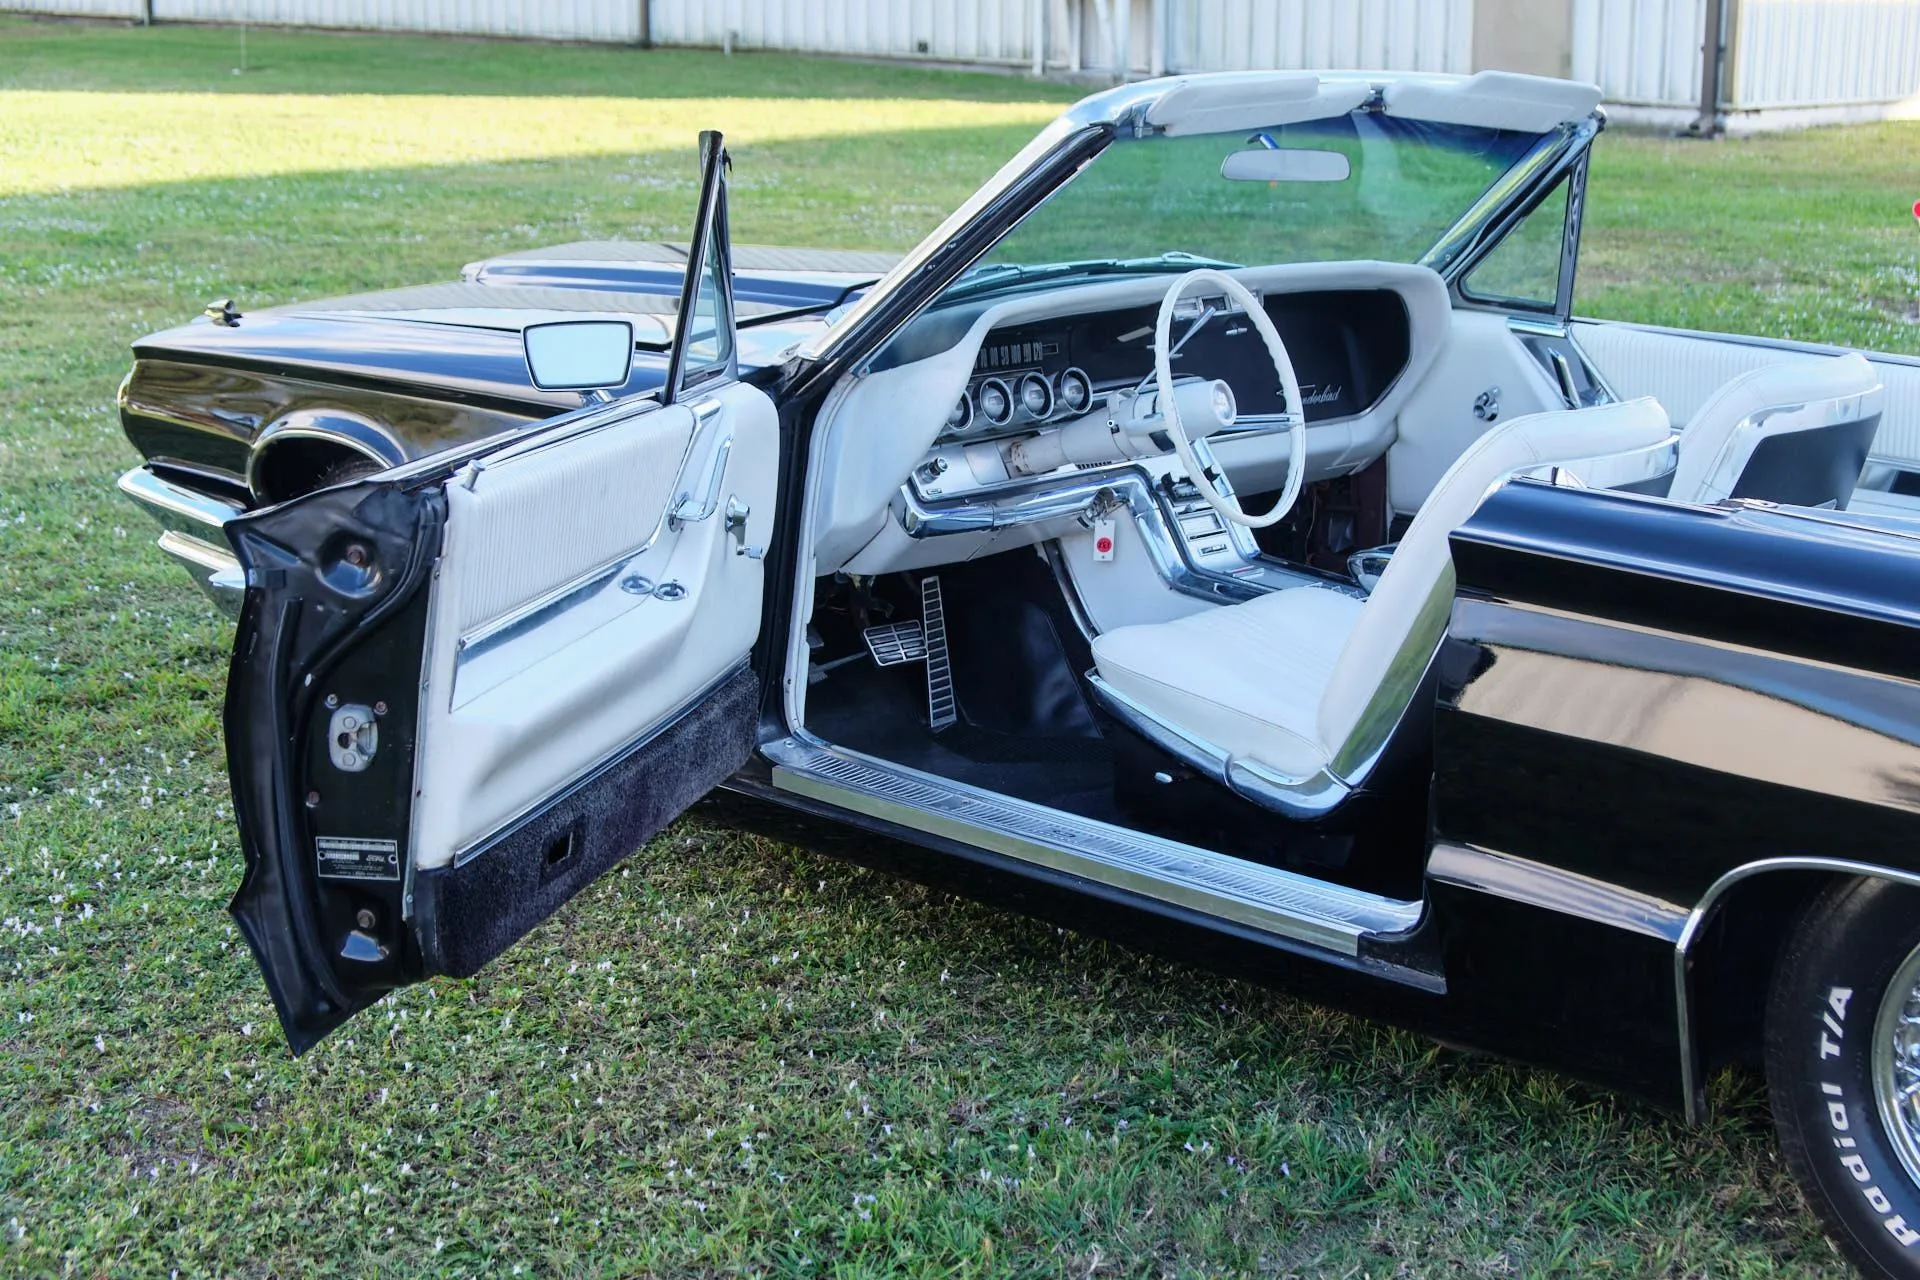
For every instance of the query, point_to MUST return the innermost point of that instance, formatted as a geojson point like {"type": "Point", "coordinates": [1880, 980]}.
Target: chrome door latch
{"type": "Point", "coordinates": [736, 517]}
{"type": "Point", "coordinates": [352, 737]}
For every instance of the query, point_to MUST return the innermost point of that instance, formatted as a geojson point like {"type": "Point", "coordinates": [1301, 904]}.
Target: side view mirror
{"type": "Point", "coordinates": [579, 355]}
{"type": "Point", "coordinates": [1291, 164]}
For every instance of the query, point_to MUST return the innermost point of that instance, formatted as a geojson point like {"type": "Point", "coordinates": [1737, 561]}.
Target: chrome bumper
{"type": "Point", "coordinates": [192, 528]}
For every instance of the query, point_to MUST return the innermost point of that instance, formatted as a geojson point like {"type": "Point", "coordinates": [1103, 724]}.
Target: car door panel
{"type": "Point", "coordinates": [1682, 368]}
{"type": "Point", "coordinates": [463, 688]}
{"type": "Point", "coordinates": [572, 615]}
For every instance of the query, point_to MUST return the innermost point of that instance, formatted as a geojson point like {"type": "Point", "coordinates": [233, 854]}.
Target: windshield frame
{"type": "Point", "coordinates": [1076, 138]}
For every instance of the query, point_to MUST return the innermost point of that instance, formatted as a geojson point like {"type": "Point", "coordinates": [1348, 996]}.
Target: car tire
{"type": "Point", "coordinates": [1834, 1042]}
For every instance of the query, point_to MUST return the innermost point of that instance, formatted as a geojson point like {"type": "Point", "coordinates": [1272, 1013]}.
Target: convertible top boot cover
{"type": "Point", "coordinates": [1293, 680]}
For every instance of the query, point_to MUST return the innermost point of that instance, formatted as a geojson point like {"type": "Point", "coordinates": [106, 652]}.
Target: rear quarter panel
{"type": "Point", "coordinates": [1640, 697]}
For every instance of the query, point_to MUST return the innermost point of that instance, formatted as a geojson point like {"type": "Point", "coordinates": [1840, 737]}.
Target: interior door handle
{"type": "Point", "coordinates": [699, 500]}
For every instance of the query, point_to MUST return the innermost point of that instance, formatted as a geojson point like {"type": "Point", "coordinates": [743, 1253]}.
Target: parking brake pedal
{"type": "Point", "coordinates": [896, 643]}
{"type": "Point", "coordinates": [941, 709]}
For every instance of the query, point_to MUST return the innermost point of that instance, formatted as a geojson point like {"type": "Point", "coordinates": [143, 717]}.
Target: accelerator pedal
{"type": "Point", "coordinates": [942, 711]}
{"type": "Point", "coordinates": [896, 643]}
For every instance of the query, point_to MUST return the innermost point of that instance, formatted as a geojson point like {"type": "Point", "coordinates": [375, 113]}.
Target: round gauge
{"type": "Point", "coordinates": [995, 401]}
{"type": "Point", "coordinates": [961, 416]}
{"type": "Point", "coordinates": [1076, 391]}
{"type": "Point", "coordinates": [1036, 395]}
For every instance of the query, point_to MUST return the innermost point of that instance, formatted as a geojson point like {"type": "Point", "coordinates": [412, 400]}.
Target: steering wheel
{"type": "Point", "coordinates": [1204, 472]}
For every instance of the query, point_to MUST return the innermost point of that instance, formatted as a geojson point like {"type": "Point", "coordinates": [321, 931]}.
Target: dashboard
{"type": "Point", "coordinates": [1348, 347]}
{"type": "Point", "coordinates": [946, 410]}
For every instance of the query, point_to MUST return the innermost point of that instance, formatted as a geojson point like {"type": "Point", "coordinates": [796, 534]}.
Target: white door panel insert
{"type": "Point", "coordinates": [571, 616]}
{"type": "Point", "coordinates": [1683, 369]}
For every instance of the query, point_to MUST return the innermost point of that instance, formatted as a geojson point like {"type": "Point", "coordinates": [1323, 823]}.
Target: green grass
{"type": "Point", "coordinates": [728, 1056]}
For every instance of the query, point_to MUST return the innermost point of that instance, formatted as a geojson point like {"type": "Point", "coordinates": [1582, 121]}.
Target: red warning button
{"type": "Point", "coordinates": [1103, 545]}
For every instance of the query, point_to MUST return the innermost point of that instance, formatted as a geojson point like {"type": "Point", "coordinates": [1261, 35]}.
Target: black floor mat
{"type": "Point", "coordinates": [883, 712]}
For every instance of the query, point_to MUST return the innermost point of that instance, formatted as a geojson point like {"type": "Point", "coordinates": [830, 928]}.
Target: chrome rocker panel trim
{"type": "Point", "coordinates": [192, 532]}
{"type": "Point", "coordinates": [1267, 899]}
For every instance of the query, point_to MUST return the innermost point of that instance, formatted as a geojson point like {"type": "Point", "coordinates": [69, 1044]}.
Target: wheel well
{"type": "Point", "coordinates": [286, 468]}
{"type": "Point", "coordinates": [1734, 957]}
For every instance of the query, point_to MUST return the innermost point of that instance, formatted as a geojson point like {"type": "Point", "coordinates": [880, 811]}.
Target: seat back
{"type": "Point", "coordinates": [1406, 615]}
{"type": "Point", "coordinates": [1795, 433]}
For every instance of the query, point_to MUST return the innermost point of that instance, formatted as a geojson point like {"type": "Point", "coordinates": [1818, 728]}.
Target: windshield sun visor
{"type": "Point", "coordinates": [1492, 100]}
{"type": "Point", "coordinates": [1253, 100]}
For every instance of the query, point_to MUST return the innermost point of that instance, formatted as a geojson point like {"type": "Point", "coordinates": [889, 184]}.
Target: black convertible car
{"type": "Point", "coordinates": [1220, 535]}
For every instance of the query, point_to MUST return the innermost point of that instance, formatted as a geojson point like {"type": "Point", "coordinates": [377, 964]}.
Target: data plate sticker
{"type": "Point", "coordinates": [353, 858]}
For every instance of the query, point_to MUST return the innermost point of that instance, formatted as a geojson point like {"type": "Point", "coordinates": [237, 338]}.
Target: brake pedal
{"type": "Point", "coordinates": [895, 643]}
{"type": "Point", "coordinates": [942, 711]}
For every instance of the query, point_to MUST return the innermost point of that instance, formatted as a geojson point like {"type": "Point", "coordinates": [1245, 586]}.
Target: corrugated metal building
{"type": "Point", "coordinates": [1777, 62]}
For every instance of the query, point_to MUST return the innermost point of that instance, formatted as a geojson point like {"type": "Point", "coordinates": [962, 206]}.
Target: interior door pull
{"type": "Point", "coordinates": [689, 508]}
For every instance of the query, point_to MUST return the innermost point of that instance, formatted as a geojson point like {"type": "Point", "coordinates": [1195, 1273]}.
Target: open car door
{"type": "Point", "coordinates": [464, 688]}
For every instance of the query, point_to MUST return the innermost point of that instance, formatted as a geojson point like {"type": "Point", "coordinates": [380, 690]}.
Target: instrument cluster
{"type": "Point", "coordinates": [1018, 386]}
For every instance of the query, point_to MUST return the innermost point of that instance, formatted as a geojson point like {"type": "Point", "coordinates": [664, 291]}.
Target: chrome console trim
{"type": "Point", "coordinates": [1064, 496]}
{"type": "Point", "coordinates": [1265, 898]}
{"type": "Point", "coordinates": [192, 531]}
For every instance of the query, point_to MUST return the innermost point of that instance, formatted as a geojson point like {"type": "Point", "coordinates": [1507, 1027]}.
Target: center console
{"type": "Point", "coordinates": [1192, 549]}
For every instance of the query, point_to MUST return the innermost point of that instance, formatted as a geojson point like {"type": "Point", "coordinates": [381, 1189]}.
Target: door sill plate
{"type": "Point", "coordinates": [1265, 898]}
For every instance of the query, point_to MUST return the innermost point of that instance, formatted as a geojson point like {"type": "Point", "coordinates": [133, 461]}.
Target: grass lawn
{"type": "Point", "coordinates": [727, 1056]}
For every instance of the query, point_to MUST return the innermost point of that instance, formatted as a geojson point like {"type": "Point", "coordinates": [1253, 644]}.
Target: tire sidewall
{"type": "Point", "coordinates": [1820, 1033]}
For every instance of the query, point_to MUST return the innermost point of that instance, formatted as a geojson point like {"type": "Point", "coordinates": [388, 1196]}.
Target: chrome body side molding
{"type": "Point", "coordinates": [1537, 884]}
{"type": "Point", "coordinates": [1263, 898]}
{"type": "Point", "coordinates": [192, 532]}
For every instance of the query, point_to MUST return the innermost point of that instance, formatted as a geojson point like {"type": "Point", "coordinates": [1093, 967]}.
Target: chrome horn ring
{"type": "Point", "coordinates": [1896, 1063]}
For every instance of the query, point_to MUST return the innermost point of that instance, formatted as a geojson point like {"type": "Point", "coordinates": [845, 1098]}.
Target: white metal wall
{"type": "Point", "coordinates": [1201, 35]}
{"type": "Point", "coordinates": [992, 31]}
{"type": "Point", "coordinates": [617, 20]}
{"type": "Point", "coordinates": [1817, 53]}
{"type": "Point", "coordinates": [1375, 35]}
{"type": "Point", "coordinates": [1787, 54]}
{"type": "Point", "coordinates": [1642, 52]}
{"type": "Point", "coordinates": [75, 8]}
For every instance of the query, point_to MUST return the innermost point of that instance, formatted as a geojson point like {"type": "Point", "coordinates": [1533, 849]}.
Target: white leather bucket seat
{"type": "Point", "coordinates": [1796, 432]}
{"type": "Point", "coordinates": [1291, 696]}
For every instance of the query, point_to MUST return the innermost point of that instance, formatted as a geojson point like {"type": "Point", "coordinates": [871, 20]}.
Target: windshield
{"type": "Point", "coordinates": [1364, 185]}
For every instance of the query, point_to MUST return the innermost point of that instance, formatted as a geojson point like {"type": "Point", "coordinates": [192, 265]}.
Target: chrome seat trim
{"type": "Point", "coordinates": [1304, 798]}
{"type": "Point", "coordinates": [1268, 899]}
